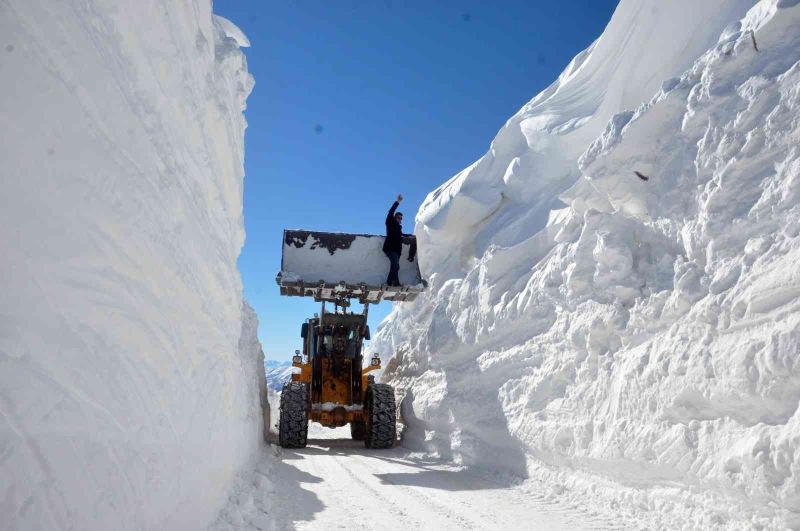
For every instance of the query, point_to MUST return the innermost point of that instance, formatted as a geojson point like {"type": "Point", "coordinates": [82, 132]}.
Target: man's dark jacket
{"type": "Point", "coordinates": [394, 233]}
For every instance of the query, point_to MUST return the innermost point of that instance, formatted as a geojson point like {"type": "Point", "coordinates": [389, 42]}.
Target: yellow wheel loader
{"type": "Point", "coordinates": [334, 387]}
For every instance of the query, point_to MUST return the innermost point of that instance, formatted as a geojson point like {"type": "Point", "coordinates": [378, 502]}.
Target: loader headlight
{"type": "Point", "coordinates": [297, 360]}
{"type": "Point", "coordinates": [376, 362]}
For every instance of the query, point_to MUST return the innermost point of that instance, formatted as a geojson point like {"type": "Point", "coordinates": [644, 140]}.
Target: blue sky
{"type": "Point", "coordinates": [356, 101]}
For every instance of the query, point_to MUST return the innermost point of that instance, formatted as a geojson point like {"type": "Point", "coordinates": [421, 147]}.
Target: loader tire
{"type": "Point", "coordinates": [357, 431]}
{"type": "Point", "coordinates": [381, 425]}
{"type": "Point", "coordinates": [293, 424]}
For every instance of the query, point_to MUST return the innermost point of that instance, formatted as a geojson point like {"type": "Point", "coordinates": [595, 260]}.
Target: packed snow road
{"type": "Point", "coordinates": [335, 483]}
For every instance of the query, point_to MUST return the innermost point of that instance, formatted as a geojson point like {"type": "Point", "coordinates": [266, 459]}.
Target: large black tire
{"type": "Point", "coordinates": [381, 425]}
{"type": "Point", "coordinates": [358, 430]}
{"type": "Point", "coordinates": [293, 425]}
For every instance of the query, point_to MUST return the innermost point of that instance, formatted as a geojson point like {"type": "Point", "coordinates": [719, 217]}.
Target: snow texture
{"type": "Point", "coordinates": [129, 370]}
{"type": "Point", "coordinates": [632, 338]}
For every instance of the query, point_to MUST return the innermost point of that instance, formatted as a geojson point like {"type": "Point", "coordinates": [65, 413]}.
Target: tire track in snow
{"type": "Point", "coordinates": [431, 495]}
{"type": "Point", "coordinates": [494, 506]}
{"type": "Point", "coordinates": [347, 509]}
{"type": "Point", "coordinates": [424, 502]}
{"type": "Point", "coordinates": [393, 489]}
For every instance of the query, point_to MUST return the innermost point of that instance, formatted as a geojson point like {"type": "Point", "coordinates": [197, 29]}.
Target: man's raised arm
{"type": "Point", "coordinates": [396, 204]}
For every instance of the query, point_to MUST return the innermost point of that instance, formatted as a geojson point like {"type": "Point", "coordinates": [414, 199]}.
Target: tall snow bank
{"type": "Point", "coordinates": [125, 401]}
{"type": "Point", "coordinates": [634, 337]}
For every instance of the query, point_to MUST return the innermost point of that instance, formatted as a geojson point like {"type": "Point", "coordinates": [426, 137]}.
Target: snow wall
{"type": "Point", "coordinates": [632, 338]}
{"type": "Point", "coordinates": [127, 399]}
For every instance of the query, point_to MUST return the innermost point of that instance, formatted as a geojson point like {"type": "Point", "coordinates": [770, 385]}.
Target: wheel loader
{"type": "Point", "coordinates": [333, 386]}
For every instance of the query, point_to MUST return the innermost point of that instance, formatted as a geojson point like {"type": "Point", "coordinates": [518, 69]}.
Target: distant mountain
{"type": "Point", "coordinates": [278, 373]}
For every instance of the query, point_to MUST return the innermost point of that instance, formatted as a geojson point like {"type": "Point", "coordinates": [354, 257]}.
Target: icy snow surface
{"type": "Point", "coordinates": [129, 387]}
{"type": "Point", "coordinates": [632, 341]}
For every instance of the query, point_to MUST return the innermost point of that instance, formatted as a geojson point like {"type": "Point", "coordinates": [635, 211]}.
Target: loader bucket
{"type": "Point", "coordinates": [332, 266]}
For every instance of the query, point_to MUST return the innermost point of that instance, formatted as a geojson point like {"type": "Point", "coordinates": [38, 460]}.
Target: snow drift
{"type": "Point", "coordinates": [614, 297]}
{"type": "Point", "coordinates": [128, 368]}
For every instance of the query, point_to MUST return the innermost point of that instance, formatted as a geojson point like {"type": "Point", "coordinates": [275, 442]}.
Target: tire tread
{"type": "Point", "coordinates": [382, 426]}
{"type": "Point", "coordinates": [293, 424]}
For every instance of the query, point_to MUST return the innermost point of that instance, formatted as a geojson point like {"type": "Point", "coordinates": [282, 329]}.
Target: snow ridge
{"type": "Point", "coordinates": [639, 344]}
{"type": "Point", "coordinates": [128, 373]}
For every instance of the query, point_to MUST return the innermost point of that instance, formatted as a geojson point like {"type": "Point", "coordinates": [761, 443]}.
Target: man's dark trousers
{"type": "Point", "coordinates": [394, 268]}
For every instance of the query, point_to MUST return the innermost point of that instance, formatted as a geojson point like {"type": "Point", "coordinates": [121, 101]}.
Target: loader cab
{"type": "Point", "coordinates": [339, 341]}
{"type": "Point", "coordinates": [334, 333]}
{"type": "Point", "coordinates": [342, 334]}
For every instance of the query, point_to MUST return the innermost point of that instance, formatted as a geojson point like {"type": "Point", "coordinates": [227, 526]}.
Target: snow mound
{"type": "Point", "coordinates": [129, 371]}
{"type": "Point", "coordinates": [615, 301]}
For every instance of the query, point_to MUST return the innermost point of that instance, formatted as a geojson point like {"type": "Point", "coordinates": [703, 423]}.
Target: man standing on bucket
{"type": "Point", "coordinates": [393, 244]}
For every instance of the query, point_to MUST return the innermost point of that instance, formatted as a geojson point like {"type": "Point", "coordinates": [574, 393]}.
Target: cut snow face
{"type": "Point", "coordinates": [643, 330]}
{"type": "Point", "coordinates": [130, 374]}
